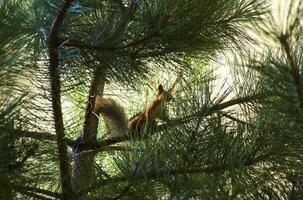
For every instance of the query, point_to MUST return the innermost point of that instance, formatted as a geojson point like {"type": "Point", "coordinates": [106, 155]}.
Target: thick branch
{"type": "Point", "coordinates": [83, 171]}
{"type": "Point", "coordinates": [59, 19]}
{"type": "Point", "coordinates": [59, 126]}
{"type": "Point", "coordinates": [56, 101]}
{"type": "Point", "coordinates": [90, 119]}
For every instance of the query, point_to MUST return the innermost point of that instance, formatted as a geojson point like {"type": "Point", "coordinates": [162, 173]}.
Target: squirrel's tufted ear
{"type": "Point", "coordinates": [160, 89]}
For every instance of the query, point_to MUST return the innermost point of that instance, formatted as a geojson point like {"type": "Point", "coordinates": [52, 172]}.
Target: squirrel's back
{"type": "Point", "coordinates": [153, 110]}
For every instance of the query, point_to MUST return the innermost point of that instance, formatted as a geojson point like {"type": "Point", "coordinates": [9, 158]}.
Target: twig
{"type": "Point", "coordinates": [125, 190]}
{"type": "Point", "coordinates": [30, 152]}
{"type": "Point", "coordinates": [140, 42]}
{"type": "Point", "coordinates": [31, 191]}
{"type": "Point", "coordinates": [37, 135]}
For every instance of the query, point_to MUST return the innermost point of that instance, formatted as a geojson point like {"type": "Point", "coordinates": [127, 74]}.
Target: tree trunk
{"type": "Point", "coordinates": [83, 170]}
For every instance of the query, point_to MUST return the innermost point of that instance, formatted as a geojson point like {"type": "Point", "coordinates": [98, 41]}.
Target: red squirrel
{"type": "Point", "coordinates": [116, 120]}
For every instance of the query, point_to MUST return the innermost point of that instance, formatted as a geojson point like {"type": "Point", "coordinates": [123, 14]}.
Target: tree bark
{"type": "Point", "coordinates": [59, 127]}
{"type": "Point", "coordinates": [55, 82]}
{"type": "Point", "coordinates": [82, 170]}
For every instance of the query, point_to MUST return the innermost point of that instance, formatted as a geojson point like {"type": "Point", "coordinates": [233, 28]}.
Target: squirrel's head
{"type": "Point", "coordinates": [163, 94]}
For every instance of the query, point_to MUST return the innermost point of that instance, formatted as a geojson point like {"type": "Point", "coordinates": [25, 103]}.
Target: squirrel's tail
{"type": "Point", "coordinates": [114, 115]}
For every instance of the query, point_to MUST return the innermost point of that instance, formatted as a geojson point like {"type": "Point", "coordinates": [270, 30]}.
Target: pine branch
{"type": "Point", "coordinates": [158, 174]}
{"type": "Point", "coordinates": [36, 192]}
{"type": "Point", "coordinates": [59, 19]}
{"type": "Point", "coordinates": [294, 68]}
{"type": "Point", "coordinates": [33, 195]}
{"type": "Point", "coordinates": [218, 107]}
{"type": "Point", "coordinates": [72, 42]}
{"type": "Point", "coordinates": [56, 101]}
{"type": "Point", "coordinates": [108, 149]}
{"type": "Point", "coordinates": [67, 41]}
{"type": "Point", "coordinates": [82, 174]}
{"type": "Point", "coordinates": [19, 164]}
{"type": "Point", "coordinates": [37, 135]}
{"type": "Point", "coordinates": [233, 118]}
{"type": "Point", "coordinates": [124, 192]}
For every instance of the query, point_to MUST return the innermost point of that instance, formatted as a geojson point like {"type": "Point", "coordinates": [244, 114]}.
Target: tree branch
{"type": "Point", "coordinates": [140, 42]}
{"type": "Point", "coordinates": [158, 174]}
{"type": "Point", "coordinates": [31, 191]}
{"type": "Point", "coordinates": [59, 19]}
{"type": "Point", "coordinates": [33, 195]}
{"type": "Point", "coordinates": [54, 72]}
{"type": "Point", "coordinates": [124, 191]}
{"type": "Point", "coordinates": [233, 118]}
{"type": "Point", "coordinates": [90, 124]}
{"type": "Point", "coordinates": [19, 164]}
{"type": "Point", "coordinates": [207, 111]}
{"type": "Point", "coordinates": [37, 135]}
{"type": "Point", "coordinates": [82, 174]}
{"type": "Point", "coordinates": [294, 68]}
{"type": "Point", "coordinates": [72, 42]}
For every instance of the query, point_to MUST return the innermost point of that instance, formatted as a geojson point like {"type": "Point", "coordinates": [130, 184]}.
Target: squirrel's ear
{"type": "Point", "coordinates": [160, 89]}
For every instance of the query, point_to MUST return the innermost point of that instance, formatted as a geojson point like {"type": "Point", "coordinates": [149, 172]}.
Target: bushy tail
{"type": "Point", "coordinates": [114, 115]}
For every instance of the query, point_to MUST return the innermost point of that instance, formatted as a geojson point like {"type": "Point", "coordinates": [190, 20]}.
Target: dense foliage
{"type": "Point", "coordinates": [235, 128]}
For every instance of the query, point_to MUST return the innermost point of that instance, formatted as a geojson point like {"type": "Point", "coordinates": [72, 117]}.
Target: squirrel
{"type": "Point", "coordinates": [116, 120]}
